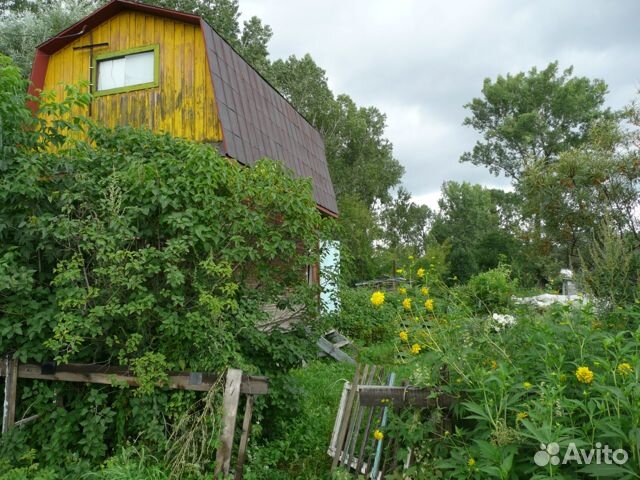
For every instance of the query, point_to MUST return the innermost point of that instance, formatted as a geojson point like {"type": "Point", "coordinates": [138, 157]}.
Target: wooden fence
{"type": "Point", "coordinates": [236, 384]}
{"type": "Point", "coordinates": [364, 408]}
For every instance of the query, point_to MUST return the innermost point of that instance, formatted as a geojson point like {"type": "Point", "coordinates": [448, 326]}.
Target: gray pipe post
{"type": "Point", "coordinates": [376, 463]}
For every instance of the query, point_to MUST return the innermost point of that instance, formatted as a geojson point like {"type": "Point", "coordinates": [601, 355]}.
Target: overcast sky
{"type": "Point", "coordinates": [421, 61]}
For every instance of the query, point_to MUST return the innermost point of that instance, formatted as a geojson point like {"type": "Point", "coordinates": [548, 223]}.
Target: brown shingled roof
{"type": "Point", "coordinates": [257, 121]}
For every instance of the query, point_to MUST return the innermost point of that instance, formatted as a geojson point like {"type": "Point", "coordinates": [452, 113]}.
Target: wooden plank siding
{"type": "Point", "coordinates": [182, 105]}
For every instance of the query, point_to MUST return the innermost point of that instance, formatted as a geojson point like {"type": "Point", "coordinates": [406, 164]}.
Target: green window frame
{"type": "Point", "coordinates": [120, 54]}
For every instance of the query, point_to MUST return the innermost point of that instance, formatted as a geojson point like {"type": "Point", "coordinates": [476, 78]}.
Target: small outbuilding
{"type": "Point", "coordinates": [170, 71]}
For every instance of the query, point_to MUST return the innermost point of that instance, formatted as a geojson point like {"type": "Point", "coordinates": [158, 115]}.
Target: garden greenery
{"type": "Point", "coordinates": [569, 374]}
{"type": "Point", "coordinates": [125, 247]}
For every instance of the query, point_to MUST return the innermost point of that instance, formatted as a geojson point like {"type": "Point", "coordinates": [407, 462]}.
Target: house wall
{"type": "Point", "coordinates": [182, 104]}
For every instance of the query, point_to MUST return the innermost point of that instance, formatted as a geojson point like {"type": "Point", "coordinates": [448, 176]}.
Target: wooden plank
{"type": "Point", "coordinates": [367, 380]}
{"type": "Point", "coordinates": [244, 439]}
{"type": "Point", "coordinates": [328, 347]}
{"type": "Point", "coordinates": [10, 391]}
{"type": "Point", "coordinates": [229, 413]}
{"type": "Point", "coordinates": [338, 421]}
{"type": "Point", "coordinates": [26, 420]}
{"type": "Point", "coordinates": [352, 436]}
{"type": "Point", "coordinates": [87, 373]}
{"type": "Point", "coordinates": [378, 396]}
{"type": "Point", "coordinates": [345, 420]}
{"type": "Point", "coordinates": [363, 467]}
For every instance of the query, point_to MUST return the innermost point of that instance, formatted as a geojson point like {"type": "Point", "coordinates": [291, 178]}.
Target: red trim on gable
{"type": "Point", "coordinates": [38, 73]}
{"type": "Point", "coordinates": [327, 211]}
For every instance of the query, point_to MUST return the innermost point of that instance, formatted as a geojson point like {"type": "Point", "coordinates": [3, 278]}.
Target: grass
{"type": "Point", "coordinates": [301, 449]}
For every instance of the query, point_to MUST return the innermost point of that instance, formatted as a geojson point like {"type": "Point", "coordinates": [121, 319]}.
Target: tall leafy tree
{"type": "Point", "coordinates": [405, 224]}
{"type": "Point", "coordinates": [360, 156]}
{"type": "Point", "coordinates": [532, 116]}
{"type": "Point", "coordinates": [469, 221]}
{"type": "Point", "coordinates": [223, 15]}
{"type": "Point", "coordinates": [254, 43]}
{"type": "Point", "coordinates": [23, 27]}
{"type": "Point", "coordinates": [9, 7]}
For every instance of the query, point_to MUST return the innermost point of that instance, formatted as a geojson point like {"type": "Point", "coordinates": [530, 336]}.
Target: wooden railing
{"type": "Point", "coordinates": [236, 384]}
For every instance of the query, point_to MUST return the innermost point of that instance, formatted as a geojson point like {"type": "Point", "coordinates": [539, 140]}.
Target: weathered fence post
{"type": "Point", "coordinates": [347, 413]}
{"type": "Point", "coordinates": [10, 390]}
{"type": "Point", "coordinates": [229, 412]}
{"type": "Point", "coordinates": [244, 439]}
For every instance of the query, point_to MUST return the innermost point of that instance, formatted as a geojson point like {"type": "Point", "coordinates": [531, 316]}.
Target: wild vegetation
{"type": "Point", "coordinates": [130, 248]}
{"type": "Point", "coordinates": [141, 249]}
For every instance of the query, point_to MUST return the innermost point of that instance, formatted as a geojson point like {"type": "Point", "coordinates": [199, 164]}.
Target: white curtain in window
{"type": "Point", "coordinates": [111, 74]}
{"type": "Point", "coordinates": [134, 69]}
{"type": "Point", "coordinates": [138, 68]}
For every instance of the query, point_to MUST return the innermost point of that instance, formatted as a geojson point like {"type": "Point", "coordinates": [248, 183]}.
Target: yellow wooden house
{"type": "Point", "coordinates": [170, 72]}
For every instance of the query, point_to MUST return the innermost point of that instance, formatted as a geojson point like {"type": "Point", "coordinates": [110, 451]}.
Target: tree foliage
{"type": "Point", "coordinates": [532, 116]}
{"type": "Point", "coordinates": [469, 221]}
{"type": "Point", "coordinates": [406, 224]}
{"type": "Point", "coordinates": [25, 25]}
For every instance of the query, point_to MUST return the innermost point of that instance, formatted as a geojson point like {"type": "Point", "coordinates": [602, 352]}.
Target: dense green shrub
{"type": "Point", "coordinates": [130, 248]}
{"type": "Point", "coordinates": [490, 291]}
{"type": "Point", "coordinates": [611, 267]}
{"type": "Point", "coordinates": [356, 319]}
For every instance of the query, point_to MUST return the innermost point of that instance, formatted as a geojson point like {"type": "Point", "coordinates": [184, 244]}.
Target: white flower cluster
{"type": "Point", "coordinates": [502, 321]}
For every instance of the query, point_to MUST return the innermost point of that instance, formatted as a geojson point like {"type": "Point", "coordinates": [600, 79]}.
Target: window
{"type": "Point", "coordinates": [124, 71]}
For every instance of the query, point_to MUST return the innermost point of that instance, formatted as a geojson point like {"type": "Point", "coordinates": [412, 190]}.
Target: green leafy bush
{"type": "Point", "coordinates": [359, 322]}
{"type": "Point", "coordinates": [130, 248]}
{"type": "Point", "coordinates": [611, 267]}
{"type": "Point", "coordinates": [490, 291]}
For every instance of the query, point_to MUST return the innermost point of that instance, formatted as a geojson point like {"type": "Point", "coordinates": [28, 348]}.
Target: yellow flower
{"type": "Point", "coordinates": [624, 369]}
{"type": "Point", "coordinates": [377, 299]}
{"type": "Point", "coordinates": [406, 303]}
{"type": "Point", "coordinates": [527, 385]}
{"type": "Point", "coordinates": [584, 375]}
{"type": "Point", "coordinates": [411, 258]}
{"type": "Point", "coordinates": [424, 291]}
{"type": "Point", "coordinates": [521, 416]}
{"type": "Point", "coordinates": [415, 348]}
{"type": "Point", "coordinates": [471, 462]}
{"type": "Point", "coordinates": [420, 272]}
{"type": "Point", "coordinates": [402, 291]}
{"type": "Point", "coordinates": [404, 336]}
{"type": "Point", "coordinates": [494, 364]}
{"type": "Point", "coordinates": [378, 435]}
{"type": "Point", "coordinates": [428, 304]}
{"type": "Point", "coordinates": [399, 271]}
